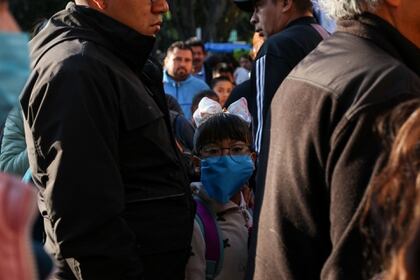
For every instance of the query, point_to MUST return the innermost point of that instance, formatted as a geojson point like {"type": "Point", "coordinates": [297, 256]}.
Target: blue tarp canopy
{"type": "Point", "coordinates": [226, 47]}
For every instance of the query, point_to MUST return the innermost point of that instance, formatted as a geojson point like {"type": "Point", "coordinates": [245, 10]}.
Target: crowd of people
{"type": "Point", "coordinates": [299, 160]}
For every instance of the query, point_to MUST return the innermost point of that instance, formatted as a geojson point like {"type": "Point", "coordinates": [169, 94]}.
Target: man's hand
{"type": "Point", "coordinates": [7, 21]}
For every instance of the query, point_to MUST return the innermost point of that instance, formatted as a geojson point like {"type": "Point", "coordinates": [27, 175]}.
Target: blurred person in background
{"type": "Point", "coordinates": [205, 93]}
{"type": "Point", "coordinates": [178, 80]}
{"type": "Point", "coordinates": [242, 72]}
{"type": "Point", "coordinates": [20, 258]}
{"type": "Point", "coordinates": [201, 69]}
{"type": "Point", "coordinates": [222, 86]}
{"type": "Point", "coordinates": [223, 69]}
{"type": "Point", "coordinates": [14, 61]}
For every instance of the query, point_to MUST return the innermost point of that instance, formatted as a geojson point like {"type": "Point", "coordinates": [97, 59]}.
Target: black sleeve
{"type": "Point", "coordinates": [271, 68]}
{"type": "Point", "coordinates": [184, 132]}
{"type": "Point", "coordinates": [242, 90]}
{"type": "Point", "coordinates": [73, 122]}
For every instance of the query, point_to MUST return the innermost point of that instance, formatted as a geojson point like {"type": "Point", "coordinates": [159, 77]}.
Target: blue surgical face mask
{"type": "Point", "coordinates": [224, 176]}
{"type": "Point", "coordinates": [14, 69]}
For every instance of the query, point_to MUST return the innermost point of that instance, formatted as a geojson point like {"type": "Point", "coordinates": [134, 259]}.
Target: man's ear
{"type": "Point", "coordinates": [99, 4]}
{"type": "Point", "coordinates": [287, 5]}
{"type": "Point", "coordinates": [165, 61]}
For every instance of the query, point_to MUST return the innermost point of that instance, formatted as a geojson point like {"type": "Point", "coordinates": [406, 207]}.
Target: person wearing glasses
{"type": "Point", "coordinates": [101, 148]}
{"type": "Point", "coordinates": [225, 160]}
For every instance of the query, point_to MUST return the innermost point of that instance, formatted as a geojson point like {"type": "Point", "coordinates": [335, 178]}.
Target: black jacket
{"type": "Point", "coordinates": [323, 150]}
{"type": "Point", "coordinates": [279, 54]}
{"type": "Point", "coordinates": [112, 186]}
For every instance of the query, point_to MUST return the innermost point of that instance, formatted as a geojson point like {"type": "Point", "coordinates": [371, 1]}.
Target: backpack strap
{"type": "Point", "coordinates": [321, 31]}
{"type": "Point", "coordinates": [212, 239]}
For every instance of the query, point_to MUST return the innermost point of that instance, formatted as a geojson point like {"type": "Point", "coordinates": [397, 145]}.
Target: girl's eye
{"type": "Point", "coordinates": [238, 149]}
{"type": "Point", "coordinates": [213, 151]}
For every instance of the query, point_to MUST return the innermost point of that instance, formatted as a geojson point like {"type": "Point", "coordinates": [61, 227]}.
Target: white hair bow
{"type": "Point", "coordinates": [208, 107]}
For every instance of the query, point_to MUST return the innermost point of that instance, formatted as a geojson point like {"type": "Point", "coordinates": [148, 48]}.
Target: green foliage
{"type": "Point", "coordinates": [216, 18]}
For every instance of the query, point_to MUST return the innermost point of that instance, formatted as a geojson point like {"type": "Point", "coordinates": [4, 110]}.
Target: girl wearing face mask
{"type": "Point", "coordinates": [225, 160]}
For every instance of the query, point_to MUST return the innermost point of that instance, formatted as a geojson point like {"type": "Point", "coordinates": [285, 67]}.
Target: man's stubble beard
{"type": "Point", "coordinates": [181, 74]}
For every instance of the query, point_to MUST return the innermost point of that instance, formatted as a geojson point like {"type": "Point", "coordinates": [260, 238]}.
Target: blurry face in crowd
{"type": "Point", "coordinates": [144, 16]}
{"type": "Point", "coordinates": [179, 64]}
{"type": "Point", "coordinates": [257, 42]}
{"type": "Point", "coordinates": [269, 16]}
{"type": "Point", "coordinates": [223, 90]}
{"type": "Point", "coordinates": [198, 58]}
{"type": "Point", "coordinates": [245, 63]}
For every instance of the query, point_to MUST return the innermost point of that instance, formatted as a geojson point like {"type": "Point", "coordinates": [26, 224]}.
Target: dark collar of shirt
{"type": "Point", "coordinates": [201, 74]}
{"type": "Point", "coordinates": [385, 36]}
{"type": "Point", "coordinates": [302, 20]}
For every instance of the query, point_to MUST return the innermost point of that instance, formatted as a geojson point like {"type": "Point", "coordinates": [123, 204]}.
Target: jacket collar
{"type": "Point", "coordinates": [302, 20]}
{"type": "Point", "coordinates": [129, 45]}
{"type": "Point", "coordinates": [385, 36]}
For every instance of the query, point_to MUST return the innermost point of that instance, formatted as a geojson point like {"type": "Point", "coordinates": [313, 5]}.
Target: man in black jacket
{"type": "Point", "coordinates": [113, 191]}
{"type": "Point", "coordinates": [323, 150]}
{"type": "Point", "coordinates": [291, 33]}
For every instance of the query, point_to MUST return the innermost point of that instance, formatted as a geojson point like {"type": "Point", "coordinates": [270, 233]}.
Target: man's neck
{"type": "Point", "coordinates": [298, 15]}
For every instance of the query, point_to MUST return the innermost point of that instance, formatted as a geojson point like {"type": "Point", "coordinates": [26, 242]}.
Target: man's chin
{"type": "Point", "coordinates": [181, 77]}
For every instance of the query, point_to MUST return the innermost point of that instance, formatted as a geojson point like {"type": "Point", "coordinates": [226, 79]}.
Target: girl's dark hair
{"type": "Point", "coordinates": [219, 127]}
{"type": "Point", "coordinates": [214, 81]}
{"type": "Point", "coordinates": [391, 222]}
{"type": "Point", "coordinates": [197, 98]}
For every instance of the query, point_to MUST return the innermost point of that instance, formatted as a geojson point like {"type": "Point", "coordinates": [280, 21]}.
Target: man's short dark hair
{"type": "Point", "coordinates": [205, 93]}
{"type": "Point", "coordinates": [178, 45]}
{"type": "Point", "coordinates": [246, 56]}
{"type": "Point", "coordinates": [222, 67]}
{"type": "Point", "coordinates": [303, 5]}
{"type": "Point", "coordinates": [194, 42]}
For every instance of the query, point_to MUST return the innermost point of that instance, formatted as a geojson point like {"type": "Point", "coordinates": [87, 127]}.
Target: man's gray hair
{"type": "Point", "coordinates": [345, 9]}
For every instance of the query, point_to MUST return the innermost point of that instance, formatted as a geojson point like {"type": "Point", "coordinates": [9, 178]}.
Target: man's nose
{"type": "Point", "coordinates": [253, 19]}
{"type": "Point", "coordinates": [160, 6]}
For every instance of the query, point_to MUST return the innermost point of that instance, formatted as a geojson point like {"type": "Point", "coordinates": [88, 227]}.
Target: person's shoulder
{"type": "Point", "coordinates": [351, 67]}
{"type": "Point", "coordinates": [240, 71]}
{"type": "Point", "coordinates": [75, 63]}
{"type": "Point", "coordinates": [197, 82]}
{"type": "Point", "coordinates": [292, 36]}
{"type": "Point", "coordinates": [277, 44]}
